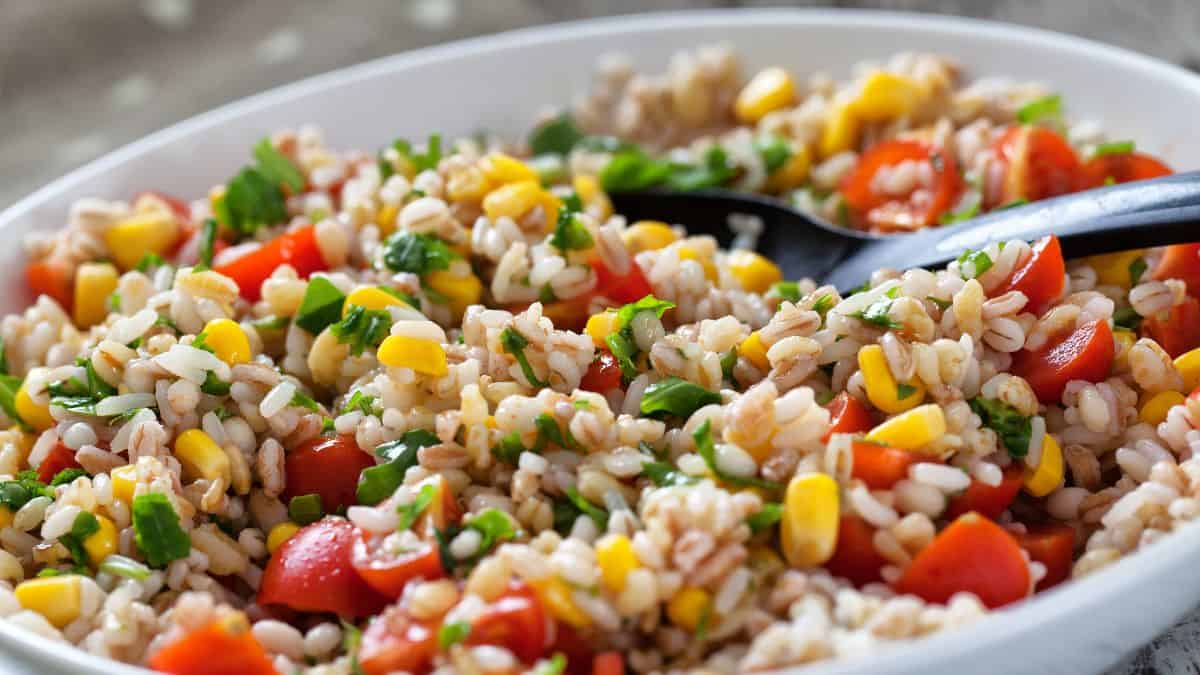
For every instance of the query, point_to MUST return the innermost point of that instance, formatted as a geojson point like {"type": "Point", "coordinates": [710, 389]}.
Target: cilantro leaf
{"type": "Point", "coordinates": [362, 328]}
{"type": "Point", "coordinates": [770, 514]}
{"type": "Point", "coordinates": [675, 396]}
{"type": "Point", "coordinates": [277, 167]}
{"type": "Point", "coordinates": [321, 306]}
{"type": "Point", "coordinates": [416, 253]}
{"type": "Point", "coordinates": [157, 532]}
{"type": "Point", "coordinates": [1013, 428]}
{"type": "Point", "coordinates": [377, 483]}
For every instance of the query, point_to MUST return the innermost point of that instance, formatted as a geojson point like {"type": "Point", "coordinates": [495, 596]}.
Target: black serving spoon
{"type": "Point", "coordinates": [1145, 213]}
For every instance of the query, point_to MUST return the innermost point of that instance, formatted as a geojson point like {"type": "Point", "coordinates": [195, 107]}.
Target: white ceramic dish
{"type": "Point", "coordinates": [501, 82]}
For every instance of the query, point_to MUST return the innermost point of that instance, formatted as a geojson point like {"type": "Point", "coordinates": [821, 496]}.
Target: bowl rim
{"type": "Point", "coordinates": [1005, 625]}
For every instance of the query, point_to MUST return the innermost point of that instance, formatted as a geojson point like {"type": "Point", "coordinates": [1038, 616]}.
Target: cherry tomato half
{"type": "Point", "coordinates": [1124, 167]}
{"type": "Point", "coordinates": [1041, 278]}
{"type": "Point", "coordinates": [60, 457]}
{"type": "Point", "coordinates": [313, 572]}
{"type": "Point", "coordinates": [1178, 331]}
{"type": "Point", "coordinates": [989, 500]}
{"type": "Point", "coordinates": [516, 621]}
{"type": "Point", "coordinates": [603, 375]}
{"type": "Point", "coordinates": [921, 206]}
{"type": "Point", "coordinates": [1053, 545]}
{"type": "Point", "coordinates": [1181, 261]}
{"type": "Point", "coordinates": [855, 557]}
{"type": "Point", "coordinates": [328, 467]}
{"type": "Point", "coordinates": [972, 554]}
{"type": "Point", "coordinates": [1084, 354]}
{"type": "Point", "coordinates": [847, 415]}
{"type": "Point", "coordinates": [389, 571]}
{"type": "Point", "coordinates": [395, 642]}
{"type": "Point", "coordinates": [1037, 163]}
{"type": "Point", "coordinates": [215, 649]}
{"type": "Point", "coordinates": [880, 466]}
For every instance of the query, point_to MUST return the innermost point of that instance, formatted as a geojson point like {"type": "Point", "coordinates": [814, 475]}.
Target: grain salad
{"type": "Point", "coordinates": [440, 409]}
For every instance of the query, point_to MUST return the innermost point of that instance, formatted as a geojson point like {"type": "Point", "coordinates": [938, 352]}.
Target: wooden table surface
{"type": "Point", "coordinates": [81, 77]}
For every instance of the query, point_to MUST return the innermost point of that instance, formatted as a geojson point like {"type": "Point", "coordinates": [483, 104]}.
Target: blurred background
{"type": "Point", "coordinates": [79, 78]}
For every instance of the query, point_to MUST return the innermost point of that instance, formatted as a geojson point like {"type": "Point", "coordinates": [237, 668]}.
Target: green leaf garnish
{"type": "Point", "coordinates": [675, 396]}
{"type": "Point", "coordinates": [708, 451]}
{"type": "Point", "coordinates": [514, 343]}
{"type": "Point", "coordinates": [305, 509]}
{"type": "Point", "coordinates": [157, 532]}
{"type": "Point", "coordinates": [557, 136]}
{"type": "Point", "coordinates": [321, 306]}
{"type": "Point", "coordinates": [1114, 148]}
{"type": "Point", "coordinates": [1013, 428]}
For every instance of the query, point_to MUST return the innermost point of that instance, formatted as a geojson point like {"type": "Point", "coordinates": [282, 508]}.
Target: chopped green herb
{"type": "Point", "coordinates": [157, 532]}
{"type": "Point", "coordinates": [774, 151]}
{"type": "Point", "coordinates": [78, 396]}
{"type": "Point", "coordinates": [713, 172]}
{"type": "Point", "coordinates": [410, 512]}
{"type": "Point", "coordinates": [1127, 317]}
{"type": "Point", "coordinates": [509, 448]}
{"type": "Point", "coordinates": [321, 306]}
{"type": "Point", "coordinates": [557, 136]}
{"type": "Point", "coordinates": [621, 341]}
{"type": "Point", "coordinates": [113, 302]}
{"type": "Point", "coordinates": [215, 386]}
{"type": "Point", "coordinates": [967, 208]}
{"type": "Point", "coordinates": [825, 397]}
{"type": "Point", "coordinates": [823, 304]}
{"type": "Point", "coordinates": [378, 482]}
{"type": "Point", "coordinates": [570, 234]}
{"type": "Point", "coordinates": [416, 253]}
{"type": "Point", "coordinates": [1046, 110]}
{"type": "Point", "coordinates": [582, 404]}
{"type": "Point", "coordinates": [251, 200]}
{"type": "Point", "coordinates": [423, 161]}
{"type": "Point", "coordinates": [305, 509]}
{"type": "Point", "coordinates": [271, 323]}
{"type": "Point", "coordinates": [940, 303]}
{"type": "Point", "coordinates": [150, 260]}
{"type": "Point", "coordinates": [84, 526]}
{"type": "Point", "coordinates": [597, 514]}
{"type": "Point", "coordinates": [208, 238]}
{"type": "Point", "coordinates": [514, 343]}
{"type": "Point", "coordinates": [9, 385]}
{"type": "Point", "coordinates": [362, 328]}
{"type": "Point", "coordinates": [903, 391]}
{"type": "Point", "coordinates": [120, 566]}
{"type": "Point", "coordinates": [358, 401]}
{"type": "Point", "coordinates": [675, 396]}
{"type": "Point", "coordinates": [708, 452]}
{"type": "Point", "coordinates": [557, 665]}
{"type": "Point", "coordinates": [277, 167]}
{"type": "Point", "coordinates": [328, 426]}
{"type": "Point", "coordinates": [787, 290]}
{"type": "Point", "coordinates": [973, 264]}
{"type": "Point", "coordinates": [1136, 269]}
{"type": "Point", "coordinates": [1114, 148]}
{"type": "Point", "coordinates": [665, 475]}
{"type": "Point", "coordinates": [728, 361]}
{"type": "Point", "coordinates": [878, 313]}
{"type": "Point", "coordinates": [67, 476]}
{"type": "Point", "coordinates": [302, 400]}
{"type": "Point", "coordinates": [632, 169]}
{"type": "Point", "coordinates": [770, 514]}
{"type": "Point", "coordinates": [495, 526]}
{"type": "Point", "coordinates": [222, 413]}
{"type": "Point", "coordinates": [452, 633]}
{"type": "Point", "coordinates": [1013, 428]}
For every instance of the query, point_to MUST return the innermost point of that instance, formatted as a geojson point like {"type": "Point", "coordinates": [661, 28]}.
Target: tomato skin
{"type": "Point", "coordinates": [603, 375]}
{"type": "Point", "coordinates": [297, 248]}
{"type": "Point", "coordinates": [60, 457]}
{"type": "Point", "coordinates": [515, 621]}
{"type": "Point", "coordinates": [1039, 163]}
{"type": "Point", "coordinates": [395, 641]}
{"type": "Point", "coordinates": [880, 466]}
{"type": "Point", "coordinates": [567, 642]}
{"type": "Point", "coordinates": [1042, 278]}
{"type": "Point", "coordinates": [51, 277]}
{"type": "Point", "coordinates": [608, 663]}
{"type": "Point", "coordinates": [986, 499]}
{"type": "Point", "coordinates": [1053, 545]}
{"type": "Point", "coordinates": [1085, 354]}
{"type": "Point", "coordinates": [213, 650]}
{"type": "Point", "coordinates": [623, 289]}
{"type": "Point", "coordinates": [855, 557]}
{"type": "Point", "coordinates": [389, 573]}
{"type": "Point", "coordinates": [971, 554]}
{"type": "Point", "coordinates": [1179, 331]}
{"type": "Point", "coordinates": [1180, 261]}
{"type": "Point", "coordinates": [329, 467]}
{"type": "Point", "coordinates": [312, 572]}
{"type": "Point", "coordinates": [847, 415]}
{"type": "Point", "coordinates": [1120, 168]}
{"type": "Point", "coordinates": [889, 213]}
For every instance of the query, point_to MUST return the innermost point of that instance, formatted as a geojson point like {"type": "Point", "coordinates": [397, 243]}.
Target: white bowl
{"type": "Point", "coordinates": [501, 82]}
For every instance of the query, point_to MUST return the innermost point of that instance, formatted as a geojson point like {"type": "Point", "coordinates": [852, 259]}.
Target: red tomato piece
{"type": "Point", "coordinates": [1179, 331]}
{"type": "Point", "coordinates": [395, 641]}
{"type": "Point", "coordinates": [880, 466]}
{"type": "Point", "coordinates": [328, 467]}
{"type": "Point", "coordinates": [388, 571]}
{"type": "Point", "coordinates": [60, 457]}
{"type": "Point", "coordinates": [51, 277]}
{"type": "Point", "coordinates": [1053, 545]}
{"type": "Point", "coordinates": [1038, 163]}
{"type": "Point", "coordinates": [855, 557]}
{"type": "Point", "coordinates": [603, 375]}
{"type": "Point", "coordinates": [313, 572]}
{"type": "Point", "coordinates": [621, 288]}
{"type": "Point", "coordinates": [1181, 261]}
{"type": "Point", "coordinates": [568, 643]}
{"type": "Point", "coordinates": [608, 663]}
{"type": "Point", "coordinates": [921, 206]}
{"type": "Point", "coordinates": [1041, 278]}
{"type": "Point", "coordinates": [297, 248]}
{"type": "Point", "coordinates": [847, 415]}
{"type": "Point", "coordinates": [1124, 167]}
{"type": "Point", "coordinates": [990, 500]}
{"type": "Point", "coordinates": [216, 649]}
{"type": "Point", "coordinates": [515, 621]}
{"type": "Point", "coordinates": [972, 554]}
{"type": "Point", "coordinates": [1085, 354]}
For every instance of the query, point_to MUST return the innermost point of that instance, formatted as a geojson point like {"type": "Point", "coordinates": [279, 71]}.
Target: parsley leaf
{"type": "Point", "coordinates": [774, 151]}
{"type": "Point", "coordinates": [80, 397]}
{"type": "Point", "coordinates": [1127, 317]}
{"type": "Point", "coordinates": [770, 514]}
{"type": "Point", "coordinates": [67, 476]}
{"type": "Point", "coordinates": [16, 493]}
{"type": "Point", "coordinates": [421, 161]}
{"type": "Point", "coordinates": [878, 312]}
{"type": "Point", "coordinates": [84, 526]}
{"type": "Point", "coordinates": [157, 532]}
{"type": "Point", "coordinates": [277, 167]}
{"type": "Point", "coordinates": [713, 172]}
{"type": "Point", "coordinates": [675, 396]}
{"type": "Point", "coordinates": [358, 401]}
{"type": "Point", "coordinates": [362, 328]}
{"type": "Point", "coordinates": [416, 253]}
{"type": "Point", "coordinates": [250, 201]}
{"type": "Point", "coordinates": [377, 483]}
{"type": "Point", "coordinates": [621, 341]}
{"type": "Point", "coordinates": [665, 475]}
{"type": "Point", "coordinates": [708, 451]}
{"type": "Point", "coordinates": [1013, 428]}
{"type": "Point", "coordinates": [321, 306]}
{"type": "Point", "coordinates": [570, 234]}
{"type": "Point", "coordinates": [514, 343]}
{"type": "Point", "coordinates": [410, 512]}
{"type": "Point", "coordinates": [598, 515]}
{"type": "Point", "coordinates": [632, 169]}
{"type": "Point", "coordinates": [557, 136]}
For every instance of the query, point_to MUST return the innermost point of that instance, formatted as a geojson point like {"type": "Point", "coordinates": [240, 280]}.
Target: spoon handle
{"type": "Point", "coordinates": [1154, 212]}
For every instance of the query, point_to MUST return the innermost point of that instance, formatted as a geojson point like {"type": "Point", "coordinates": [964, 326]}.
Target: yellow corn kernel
{"type": "Point", "coordinates": [370, 297]}
{"type": "Point", "coordinates": [6, 517]}
{"type": "Point", "coordinates": [387, 219]}
{"type": "Point", "coordinates": [648, 235]}
{"type": "Point", "coordinates": [886, 96]}
{"type": "Point", "coordinates": [281, 533]}
{"type": "Point", "coordinates": [769, 90]}
{"type": "Point", "coordinates": [809, 526]}
{"type": "Point", "coordinates": [131, 239]}
{"type": "Point", "coordinates": [59, 598]}
{"type": "Point", "coordinates": [1154, 410]}
{"type": "Point", "coordinates": [424, 356]}
{"type": "Point", "coordinates": [1188, 365]}
{"type": "Point", "coordinates": [94, 282]}
{"type": "Point", "coordinates": [688, 607]}
{"type": "Point", "coordinates": [882, 388]}
{"type": "Point", "coordinates": [911, 430]}
{"type": "Point", "coordinates": [513, 200]}
{"type": "Point", "coordinates": [1124, 341]}
{"type": "Point", "coordinates": [501, 169]}
{"type": "Point", "coordinates": [467, 185]}
{"type": "Point", "coordinates": [550, 204]}
{"type": "Point", "coordinates": [124, 480]}
{"type": "Point", "coordinates": [201, 457]}
{"type": "Point", "coordinates": [101, 543]}
{"type": "Point", "coordinates": [1112, 269]}
{"type": "Point", "coordinates": [461, 292]}
{"type": "Point", "coordinates": [227, 340]}
{"type": "Point", "coordinates": [592, 195]}
{"type": "Point", "coordinates": [754, 272]}
{"type": "Point", "coordinates": [755, 351]}
{"type": "Point", "coordinates": [555, 595]}
{"type": "Point", "coordinates": [1048, 475]}
{"type": "Point", "coordinates": [615, 556]}
{"type": "Point", "coordinates": [841, 130]}
{"type": "Point", "coordinates": [34, 414]}
{"type": "Point", "coordinates": [793, 173]}
{"type": "Point", "coordinates": [706, 263]}
{"type": "Point", "coordinates": [600, 326]}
